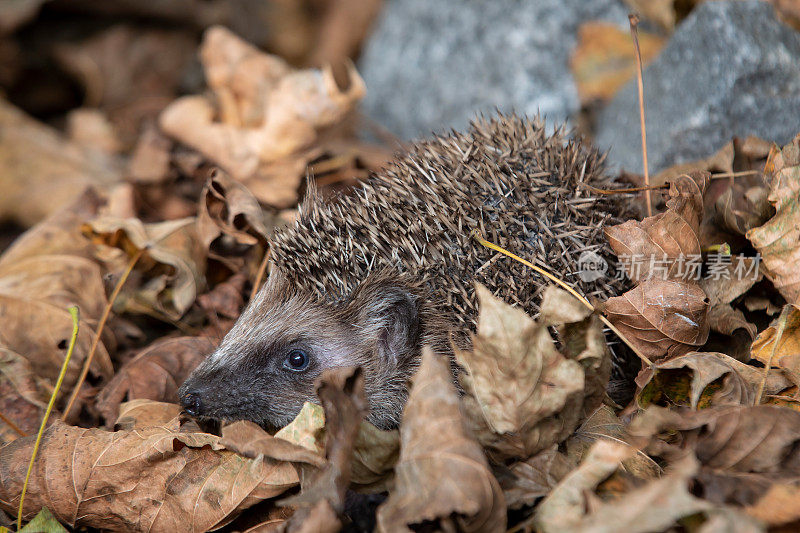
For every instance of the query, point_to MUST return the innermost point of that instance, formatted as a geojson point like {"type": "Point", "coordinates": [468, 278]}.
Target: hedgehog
{"type": "Point", "coordinates": [369, 278]}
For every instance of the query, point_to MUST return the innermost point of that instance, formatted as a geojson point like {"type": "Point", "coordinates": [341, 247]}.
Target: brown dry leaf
{"type": "Point", "coordinates": [764, 348]}
{"type": "Point", "coordinates": [229, 216]}
{"type": "Point", "coordinates": [155, 373]}
{"type": "Point", "coordinates": [130, 73]}
{"type": "Point", "coordinates": [667, 236]}
{"type": "Point", "coordinates": [661, 318]}
{"type": "Point", "coordinates": [603, 424]}
{"type": "Point", "coordinates": [172, 258]}
{"type": "Point", "coordinates": [779, 506]}
{"type": "Point", "coordinates": [654, 507]}
{"type": "Point", "coordinates": [526, 481]}
{"type": "Point", "coordinates": [341, 391]}
{"type": "Point", "coordinates": [603, 60]}
{"type": "Point", "coordinates": [40, 164]}
{"type": "Point", "coordinates": [776, 240]}
{"type": "Point", "coordinates": [147, 413]}
{"type": "Point", "coordinates": [59, 234]}
{"type": "Point", "coordinates": [763, 439]}
{"type": "Point", "coordinates": [150, 161]}
{"type": "Point", "coordinates": [523, 395]}
{"type": "Point", "coordinates": [374, 456]}
{"type": "Point", "coordinates": [147, 479]}
{"type": "Point", "coordinates": [91, 129]}
{"type": "Point", "coordinates": [700, 379]}
{"type": "Point", "coordinates": [60, 280]}
{"type": "Point", "coordinates": [719, 161]}
{"type": "Point", "coordinates": [23, 396]}
{"type": "Point", "coordinates": [724, 289]}
{"type": "Point", "coordinates": [266, 117]}
{"type": "Point", "coordinates": [442, 474]}
{"type": "Point", "coordinates": [250, 440]}
{"type": "Point", "coordinates": [41, 332]}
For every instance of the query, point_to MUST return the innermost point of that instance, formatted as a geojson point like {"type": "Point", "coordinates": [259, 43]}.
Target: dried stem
{"type": "Point", "coordinates": [262, 268]}
{"type": "Point", "coordinates": [12, 425]}
{"type": "Point", "coordinates": [778, 335]}
{"type": "Point", "coordinates": [633, 19]}
{"type": "Point", "coordinates": [100, 325]}
{"type": "Point", "coordinates": [477, 236]}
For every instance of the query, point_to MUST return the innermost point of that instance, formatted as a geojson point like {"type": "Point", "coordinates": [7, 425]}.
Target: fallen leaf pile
{"type": "Point", "coordinates": [152, 210]}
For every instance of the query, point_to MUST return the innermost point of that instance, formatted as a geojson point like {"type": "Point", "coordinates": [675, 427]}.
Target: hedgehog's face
{"type": "Point", "coordinates": [267, 365]}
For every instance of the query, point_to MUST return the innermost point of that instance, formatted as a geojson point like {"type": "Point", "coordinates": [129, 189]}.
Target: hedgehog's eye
{"type": "Point", "coordinates": [297, 360]}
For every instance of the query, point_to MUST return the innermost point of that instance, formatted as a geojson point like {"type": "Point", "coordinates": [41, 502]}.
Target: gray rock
{"type": "Point", "coordinates": [730, 69]}
{"type": "Point", "coordinates": [433, 64]}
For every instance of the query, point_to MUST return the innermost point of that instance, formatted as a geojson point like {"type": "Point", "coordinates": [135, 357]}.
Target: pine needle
{"type": "Point", "coordinates": [73, 311]}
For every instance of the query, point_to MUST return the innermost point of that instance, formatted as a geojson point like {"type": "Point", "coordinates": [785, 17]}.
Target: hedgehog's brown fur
{"type": "Point", "coordinates": [392, 267]}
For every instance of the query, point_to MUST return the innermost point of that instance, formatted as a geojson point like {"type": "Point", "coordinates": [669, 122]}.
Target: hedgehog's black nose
{"type": "Point", "coordinates": [191, 403]}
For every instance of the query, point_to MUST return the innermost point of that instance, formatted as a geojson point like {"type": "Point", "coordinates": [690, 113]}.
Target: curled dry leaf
{"type": "Point", "coordinates": [523, 394]}
{"type": "Point", "coordinates": [172, 258]}
{"type": "Point", "coordinates": [700, 379]}
{"type": "Point", "coordinates": [442, 472]}
{"type": "Point", "coordinates": [229, 216]}
{"type": "Point", "coordinates": [766, 350]}
{"type": "Point", "coordinates": [776, 240]}
{"type": "Point", "coordinates": [341, 391]}
{"type": "Point", "coordinates": [267, 114]}
{"type": "Point", "coordinates": [656, 506]}
{"type": "Point", "coordinates": [374, 455]}
{"type": "Point", "coordinates": [667, 236]}
{"type": "Point", "coordinates": [155, 373]}
{"type": "Point", "coordinates": [732, 282]}
{"type": "Point", "coordinates": [761, 439]}
{"type": "Point", "coordinates": [147, 479]}
{"type": "Point", "coordinates": [250, 439]}
{"type": "Point", "coordinates": [526, 481]}
{"type": "Point", "coordinates": [603, 424]}
{"type": "Point", "coordinates": [666, 313]}
{"type": "Point", "coordinates": [40, 164]}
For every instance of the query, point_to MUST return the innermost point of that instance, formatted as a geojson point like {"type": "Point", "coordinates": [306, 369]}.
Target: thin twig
{"type": "Point", "coordinates": [100, 325]}
{"type": "Point", "coordinates": [477, 236]}
{"type": "Point", "coordinates": [12, 425]}
{"type": "Point", "coordinates": [73, 311]}
{"type": "Point", "coordinates": [262, 268]}
{"type": "Point", "coordinates": [633, 19]}
{"type": "Point", "coordinates": [624, 191]}
{"type": "Point", "coordinates": [721, 175]}
{"type": "Point", "coordinates": [778, 335]}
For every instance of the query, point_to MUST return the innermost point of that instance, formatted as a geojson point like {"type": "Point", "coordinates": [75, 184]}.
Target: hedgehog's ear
{"type": "Point", "coordinates": [387, 314]}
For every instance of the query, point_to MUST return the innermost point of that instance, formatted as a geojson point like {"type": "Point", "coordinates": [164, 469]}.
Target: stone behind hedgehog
{"type": "Point", "coordinates": [369, 278]}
